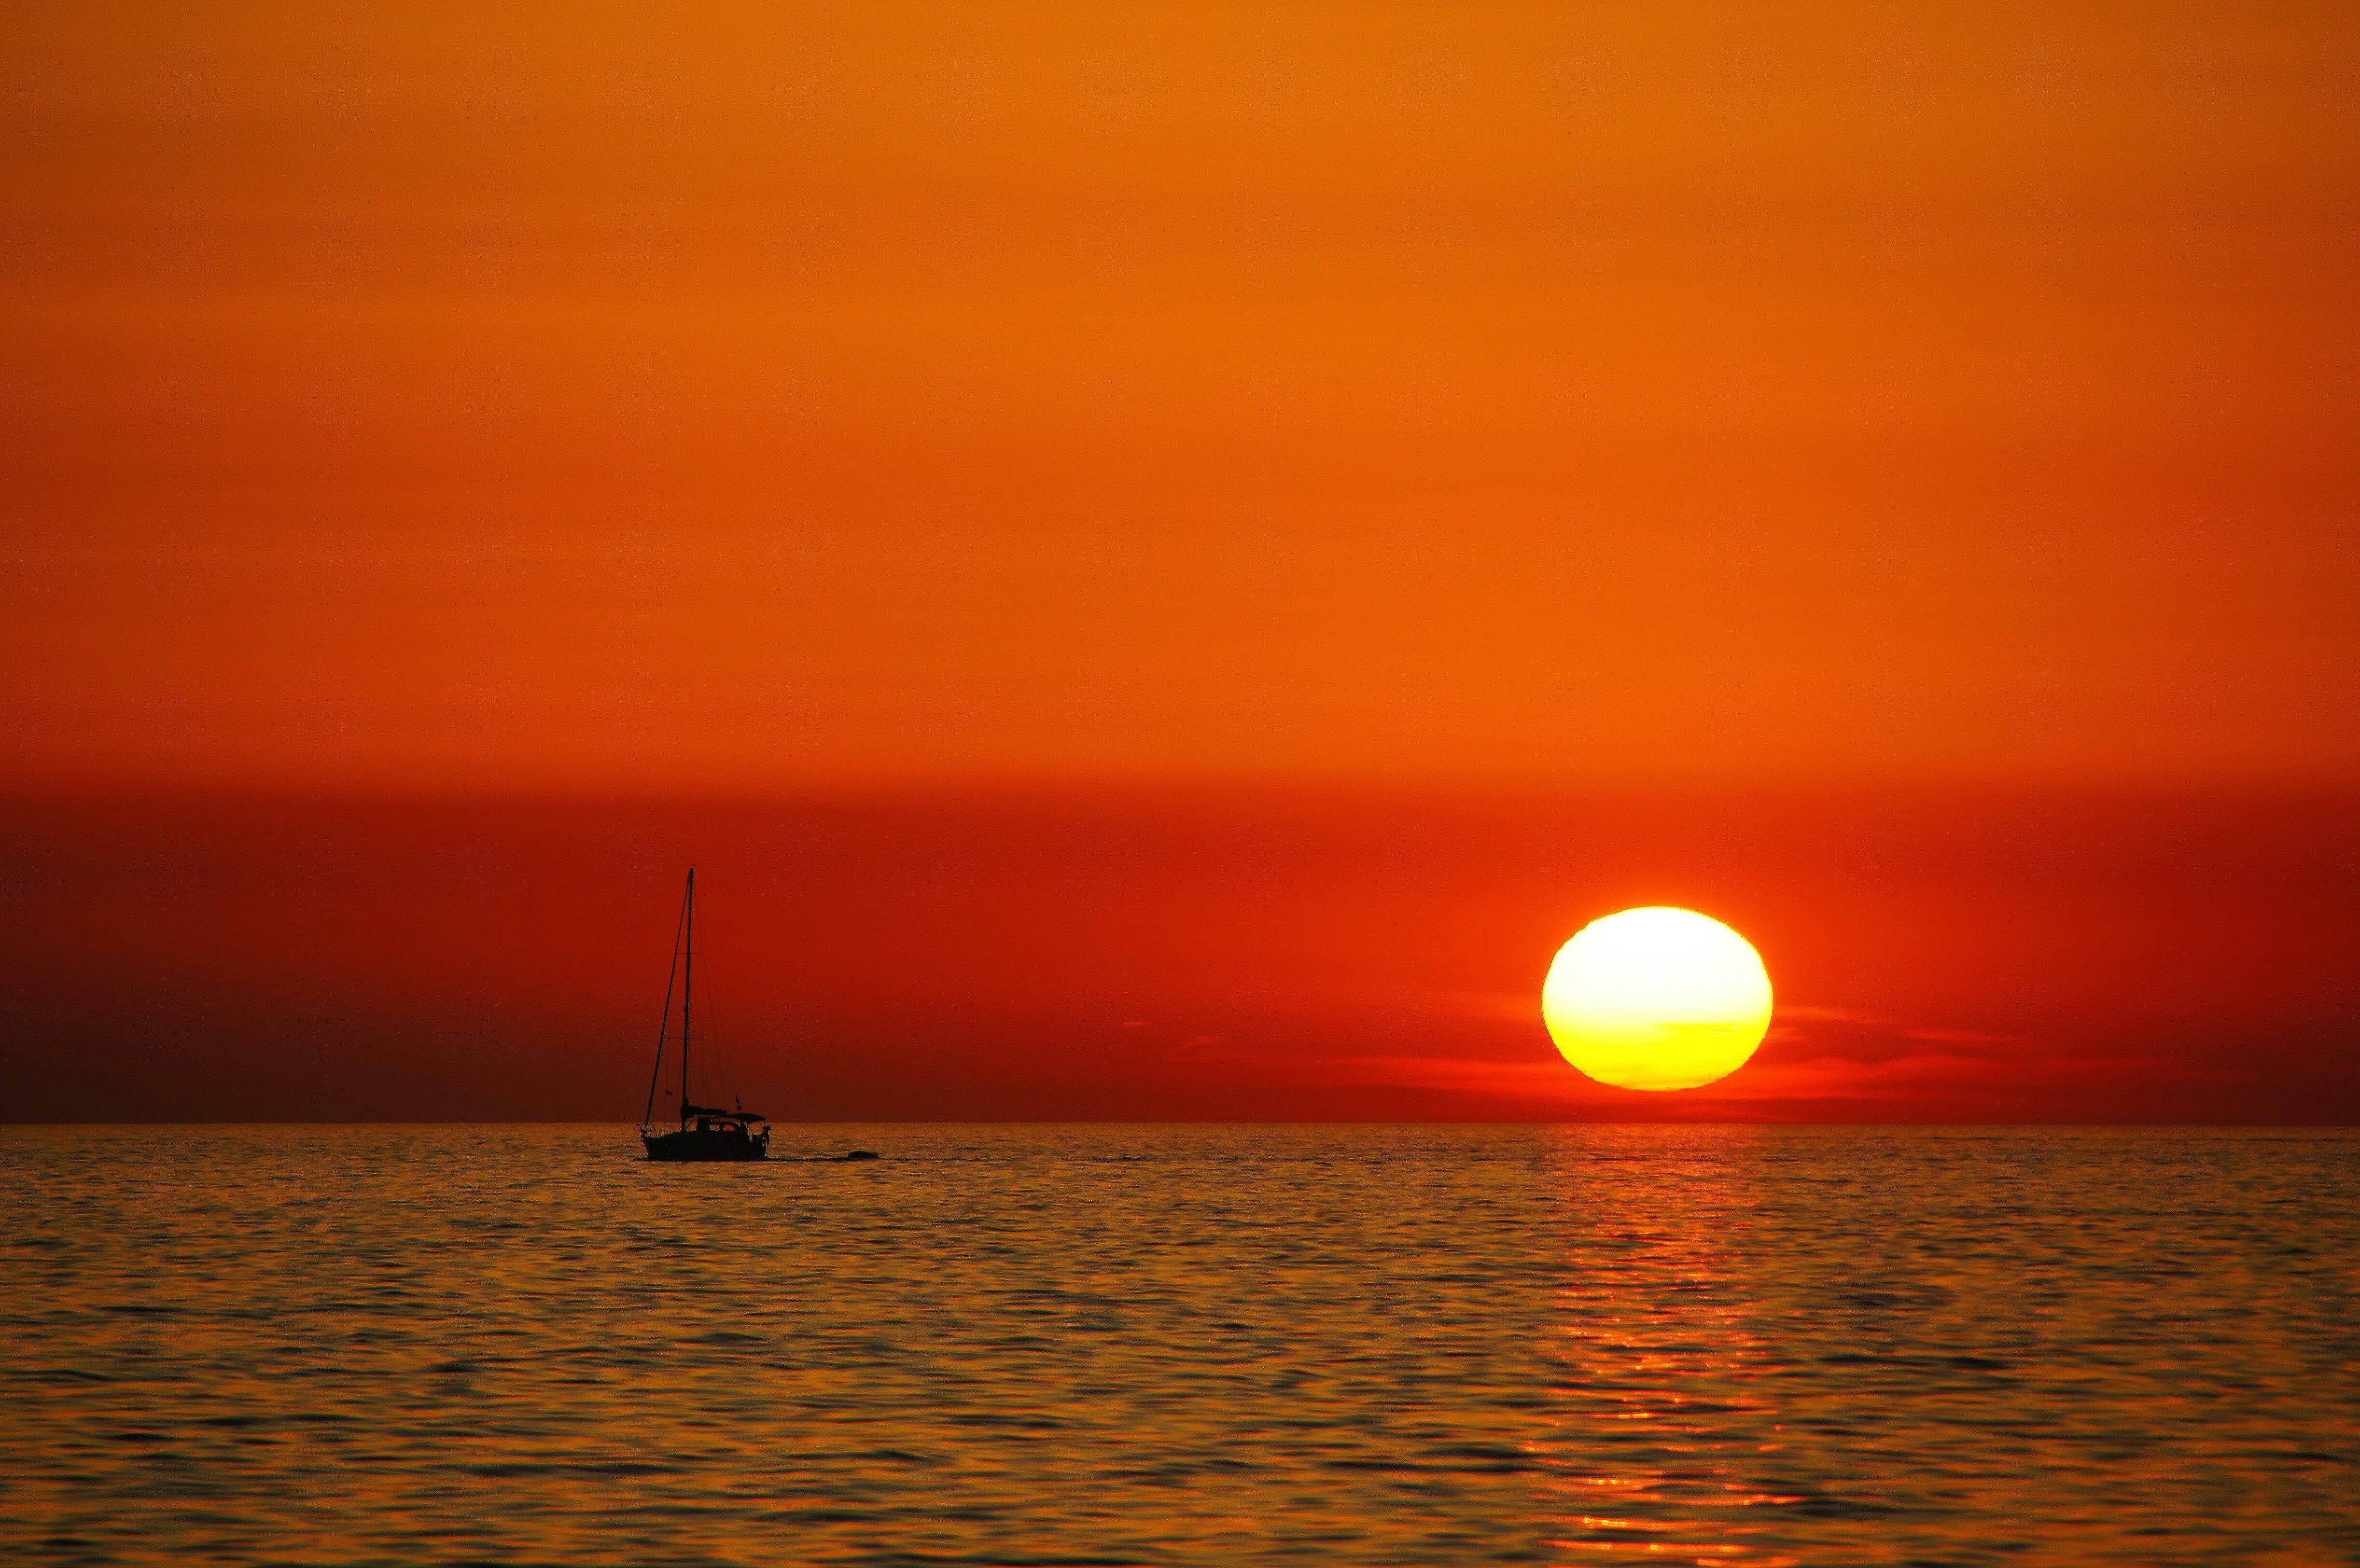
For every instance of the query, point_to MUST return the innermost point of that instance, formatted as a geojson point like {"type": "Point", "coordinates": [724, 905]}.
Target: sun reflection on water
{"type": "Point", "coordinates": [1665, 1425]}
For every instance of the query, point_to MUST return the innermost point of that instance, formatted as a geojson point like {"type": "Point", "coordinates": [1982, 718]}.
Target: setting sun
{"type": "Point", "coordinates": [1657, 999]}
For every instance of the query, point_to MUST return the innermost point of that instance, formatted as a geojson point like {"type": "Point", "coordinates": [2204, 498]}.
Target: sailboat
{"type": "Point", "coordinates": [705, 1132]}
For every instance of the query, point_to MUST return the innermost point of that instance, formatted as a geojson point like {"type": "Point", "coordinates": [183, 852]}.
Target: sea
{"type": "Point", "coordinates": [1135, 1345]}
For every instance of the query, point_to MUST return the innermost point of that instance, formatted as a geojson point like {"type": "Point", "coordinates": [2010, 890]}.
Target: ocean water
{"type": "Point", "coordinates": [1181, 1346]}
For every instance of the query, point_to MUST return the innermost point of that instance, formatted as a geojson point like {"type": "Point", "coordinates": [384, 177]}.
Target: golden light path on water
{"type": "Point", "coordinates": [1671, 1438]}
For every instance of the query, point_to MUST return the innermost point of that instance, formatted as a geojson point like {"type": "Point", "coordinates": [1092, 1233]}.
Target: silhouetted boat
{"type": "Point", "coordinates": [705, 1132]}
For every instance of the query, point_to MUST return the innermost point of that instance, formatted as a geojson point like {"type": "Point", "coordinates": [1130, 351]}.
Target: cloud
{"type": "Point", "coordinates": [1936, 1084]}
{"type": "Point", "coordinates": [1818, 1060]}
{"type": "Point", "coordinates": [1791, 1012]}
{"type": "Point", "coordinates": [1209, 1048]}
{"type": "Point", "coordinates": [1491, 1006]}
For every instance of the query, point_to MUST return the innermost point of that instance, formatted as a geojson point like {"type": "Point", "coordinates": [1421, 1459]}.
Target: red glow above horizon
{"type": "Point", "coordinates": [1312, 954]}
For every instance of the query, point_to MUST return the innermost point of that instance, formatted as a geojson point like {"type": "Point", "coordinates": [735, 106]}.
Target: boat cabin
{"type": "Point", "coordinates": [708, 1132]}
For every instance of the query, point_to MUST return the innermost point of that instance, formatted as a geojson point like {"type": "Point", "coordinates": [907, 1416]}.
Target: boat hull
{"type": "Point", "coordinates": [695, 1145]}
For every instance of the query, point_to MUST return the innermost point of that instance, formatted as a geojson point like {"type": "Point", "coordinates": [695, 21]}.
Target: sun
{"type": "Point", "coordinates": [1657, 999]}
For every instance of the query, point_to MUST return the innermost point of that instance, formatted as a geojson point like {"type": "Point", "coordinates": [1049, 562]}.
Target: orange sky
{"type": "Point", "coordinates": [1414, 478]}
{"type": "Point", "coordinates": [736, 396]}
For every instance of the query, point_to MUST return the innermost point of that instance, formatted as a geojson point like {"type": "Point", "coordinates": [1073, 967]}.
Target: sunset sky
{"type": "Point", "coordinates": [1161, 556]}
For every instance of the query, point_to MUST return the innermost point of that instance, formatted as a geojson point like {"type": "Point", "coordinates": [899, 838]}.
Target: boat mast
{"type": "Point", "coordinates": [663, 1028]}
{"type": "Point", "coordinates": [687, 990]}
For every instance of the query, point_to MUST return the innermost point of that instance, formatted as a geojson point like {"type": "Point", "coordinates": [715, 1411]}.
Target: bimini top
{"type": "Point", "coordinates": [717, 1111]}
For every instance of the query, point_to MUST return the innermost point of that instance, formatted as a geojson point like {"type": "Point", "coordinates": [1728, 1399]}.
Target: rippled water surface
{"type": "Point", "coordinates": [1184, 1346]}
